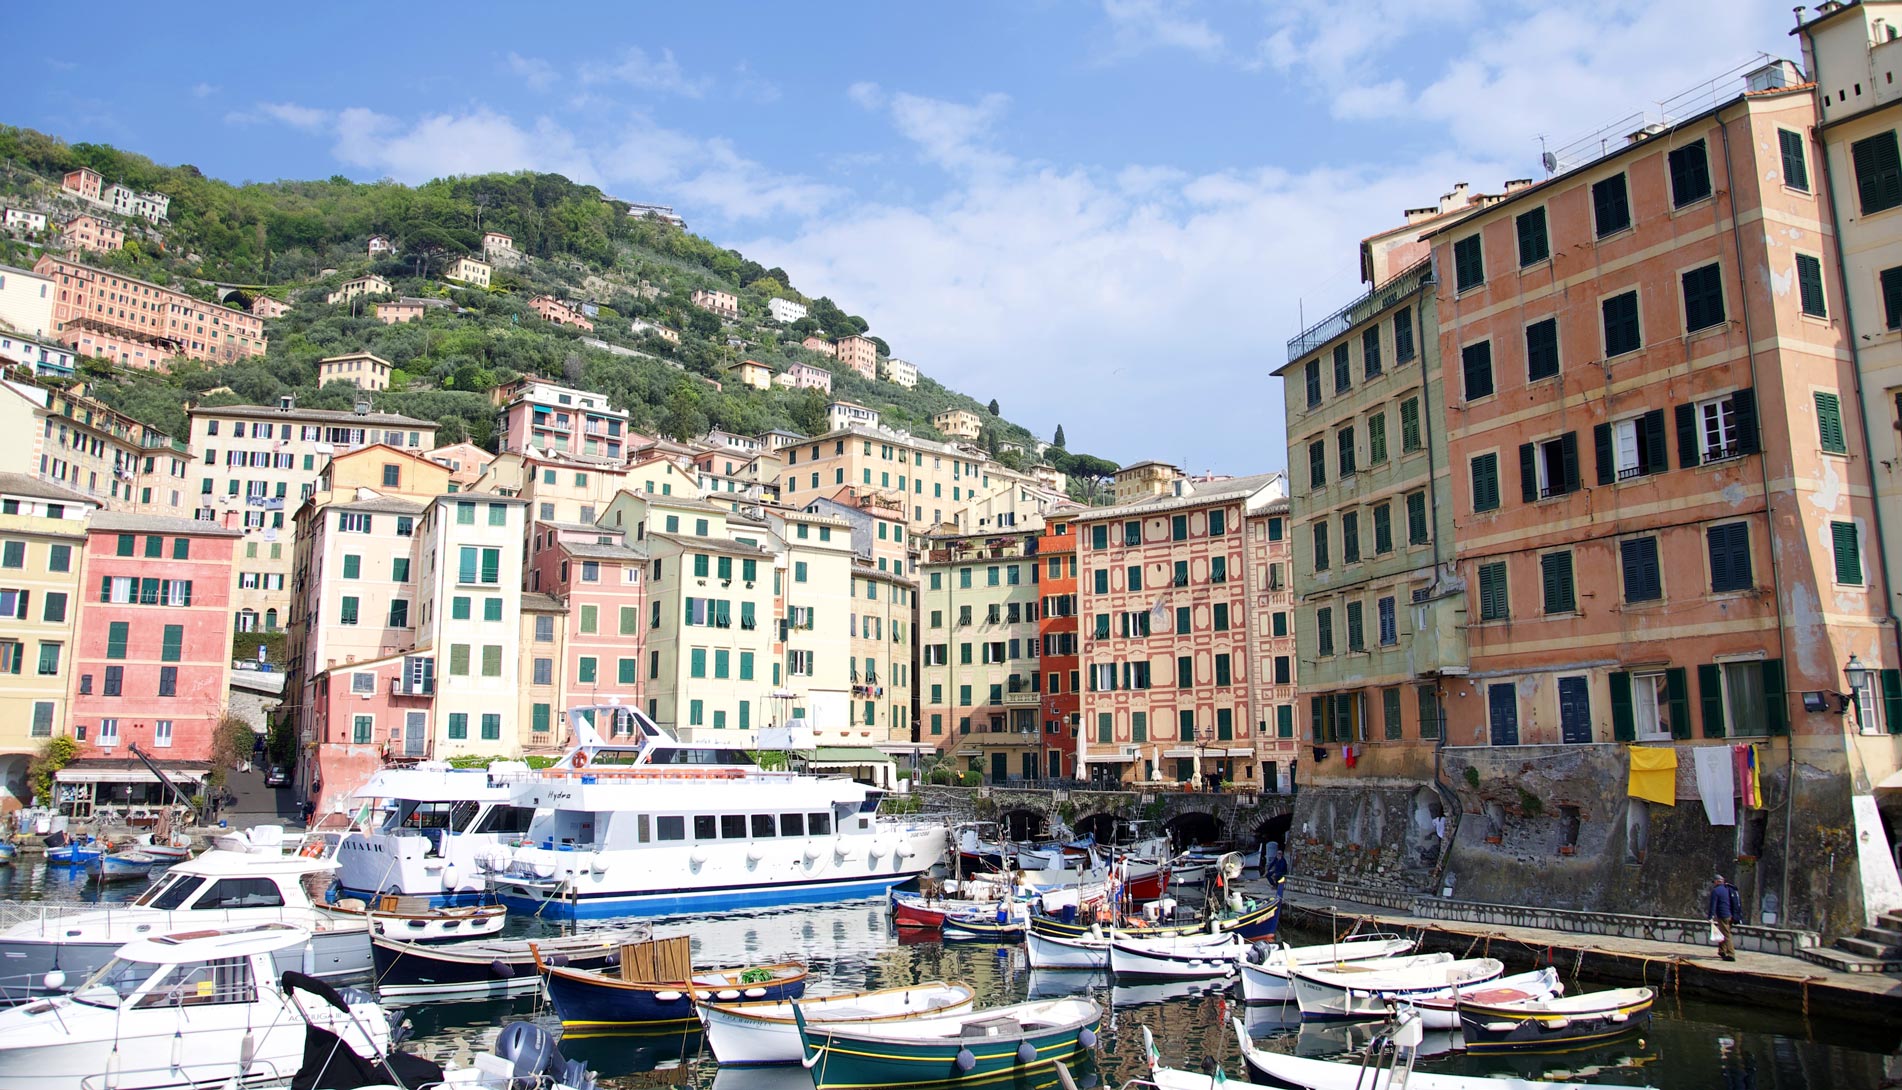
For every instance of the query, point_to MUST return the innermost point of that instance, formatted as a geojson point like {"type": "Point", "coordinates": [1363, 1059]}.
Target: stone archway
{"type": "Point", "coordinates": [1275, 830]}
{"type": "Point", "coordinates": [1193, 828]}
{"type": "Point", "coordinates": [1106, 828]}
{"type": "Point", "coordinates": [1022, 824]}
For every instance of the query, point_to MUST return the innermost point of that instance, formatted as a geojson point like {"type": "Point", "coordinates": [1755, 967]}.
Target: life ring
{"type": "Point", "coordinates": [581, 760]}
{"type": "Point", "coordinates": [312, 849]}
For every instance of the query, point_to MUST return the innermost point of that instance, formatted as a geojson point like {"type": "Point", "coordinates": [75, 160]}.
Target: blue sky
{"type": "Point", "coordinates": [1109, 215]}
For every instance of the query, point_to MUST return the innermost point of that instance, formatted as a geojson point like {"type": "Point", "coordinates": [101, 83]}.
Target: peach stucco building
{"type": "Point", "coordinates": [92, 233]}
{"type": "Point", "coordinates": [142, 325]}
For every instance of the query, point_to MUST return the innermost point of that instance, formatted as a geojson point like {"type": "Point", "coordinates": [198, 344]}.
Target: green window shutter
{"type": "Point", "coordinates": [1892, 700]}
{"type": "Point", "coordinates": [174, 644]}
{"type": "Point", "coordinates": [1829, 423]}
{"type": "Point", "coordinates": [697, 662]}
{"type": "Point", "coordinates": [1677, 696]}
{"type": "Point", "coordinates": [466, 565]}
{"type": "Point", "coordinates": [459, 660]}
{"type": "Point", "coordinates": [1776, 700]}
{"type": "Point", "coordinates": [1687, 448]}
{"type": "Point", "coordinates": [630, 621]}
{"type": "Point", "coordinates": [590, 618]}
{"type": "Point", "coordinates": [1317, 718]}
{"type": "Point", "coordinates": [182, 546]}
{"type": "Point", "coordinates": [458, 725]}
{"type": "Point", "coordinates": [1809, 283]}
{"type": "Point", "coordinates": [1878, 172]}
{"type": "Point", "coordinates": [492, 610]}
{"type": "Point", "coordinates": [491, 565]}
{"type": "Point", "coordinates": [116, 635]}
{"type": "Point", "coordinates": [585, 670]}
{"type": "Point", "coordinates": [1623, 725]}
{"type": "Point", "coordinates": [491, 660]}
{"type": "Point", "coordinates": [1796, 170]}
{"type": "Point", "coordinates": [1284, 721]}
{"type": "Point", "coordinates": [1710, 690]}
{"type": "Point", "coordinates": [352, 566]}
{"type": "Point", "coordinates": [539, 722]}
{"type": "Point", "coordinates": [1602, 454]}
{"type": "Point", "coordinates": [1848, 553]}
{"type": "Point", "coordinates": [1410, 424]}
{"type": "Point", "coordinates": [1528, 474]}
{"type": "Point", "coordinates": [154, 547]}
{"type": "Point", "coordinates": [628, 672]}
{"type": "Point", "coordinates": [459, 608]}
{"type": "Point", "coordinates": [125, 544]}
{"type": "Point", "coordinates": [1556, 570]}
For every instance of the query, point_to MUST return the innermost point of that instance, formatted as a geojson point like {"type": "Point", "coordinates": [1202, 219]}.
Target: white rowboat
{"type": "Point", "coordinates": [1266, 980]}
{"type": "Point", "coordinates": [766, 1033]}
{"type": "Point", "coordinates": [1368, 989]}
{"type": "Point", "coordinates": [1180, 957]}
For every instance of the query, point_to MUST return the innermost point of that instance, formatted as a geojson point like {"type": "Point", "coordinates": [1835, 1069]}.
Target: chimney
{"type": "Point", "coordinates": [1646, 133]}
{"type": "Point", "coordinates": [363, 408]}
{"type": "Point", "coordinates": [286, 403]}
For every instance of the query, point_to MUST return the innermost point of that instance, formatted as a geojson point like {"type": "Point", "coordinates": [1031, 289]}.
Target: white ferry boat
{"type": "Point", "coordinates": [427, 830]}
{"type": "Point", "coordinates": [643, 824]}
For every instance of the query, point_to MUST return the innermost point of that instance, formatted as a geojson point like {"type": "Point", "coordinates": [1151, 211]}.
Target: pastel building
{"type": "Point", "coordinates": [601, 586]}
{"type": "Point", "coordinates": [380, 246]}
{"type": "Point", "coordinates": [932, 480]}
{"type": "Point", "coordinates": [84, 182]}
{"type": "Point", "coordinates": [464, 461]}
{"type": "Point", "coordinates": [958, 423]}
{"type": "Point", "coordinates": [26, 302]}
{"type": "Point", "coordinates": [557, 312]}
{"type": "Point", "coordinates": [151, 659]}
{"type": "Point", "coordinates": [42, 539]}
{"type": "Point", "coordinates": [1274, 694]}
{"type": "Point", "coordinates": [357, 288]}
{"type": "Point", "coordinates": [785, 311]}
{"type": "Point", "coordinates": [979, 675]}
{"type": "Point", "coordinates": [881, 656]}
{"type": "Point", "coordinates": [68, 438]}
{"type": "Point", "coordinates": [471, 271]}
{"type": "Point", "coordinates": [816, 618]}
{"type": "Point", "coordinates": [820, 345]}
{"type": "Point", "coordinates": [470, 613]}
{"type": "Point", "coordinates": [410, 308]}
{"type": "Point", "coordinates": [361, 369]}
{"type": "Point", "coordinates": [19, 221]}
{"type": "Point", "coordinates": [1163, 609]}
{"type": "Point", "coordinates": [858, 353]}
{"type": "Point", "coordinates": [92, 233]}
{"type": "Point", "coordinates": [902, 372]}
{"type": "Point", "coordinates": [499, 249]}
{"type": "Point", "coordinates": [804, 376]}
{"type": "Point", "coordinates": [850, 414]}
{"type": "Point", "coordinates": [723, 304]}
{"type": "Point", "coordinates": [141, 325]}
{"type": "Point", "coordinates": [1061, 714]}
{"type": "Point", "coordinates": [536, 414]}
{"type": "Point", "coordinates": [266, 307]}
{"type": "Point", "coordinates": [42, 358]}
{"type": "Point", "coordinates": [750, 373]}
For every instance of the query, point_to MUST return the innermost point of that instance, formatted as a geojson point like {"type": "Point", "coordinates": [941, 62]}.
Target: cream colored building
{"type": "Point", "coordinates": [470, 606]}
{"type": "Point", "coordinates": [42, 537]}
{"type": "Point", "coordinates": [900, 372]}
{"type": "Point", "coordinates": [358, 288]}
{"type": "Point", "coordinates": [469, 270]}
{"type": "Point", "coordinates": [365, 371]}
{"type": "Point", "coordinates": [883, 642]}
{"type": "Point", "coordinates": [958, 423]}
{"type": "Point", "coordinates": [750, 373]}
{"type": "Point", "coordinates": [26, 302]}
{"type": "Point", "coordinates": [932, 480]}
{"type": "Point", "coordinates": [814, 575]}
{"type": "Point", "coordinates": [722, 303]}
{"type": "Point", "coordinates": [1145, 480]}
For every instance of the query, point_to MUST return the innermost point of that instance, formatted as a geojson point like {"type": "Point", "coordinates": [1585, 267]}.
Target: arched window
{"type": "Point", "coordinates": [247, 620]}
{"type": "Point", "coordinates": [270, 620]}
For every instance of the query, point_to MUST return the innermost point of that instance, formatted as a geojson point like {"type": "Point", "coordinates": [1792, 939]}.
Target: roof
{"type": "Point", "coordinates": [860, 569]}
{"type": "Point", "coordinates": [121, 520]}
{"type": "Point", "coordinates": [1220, 491]}
{"type": "Point", "coordinates": [848, 755]}
{"type": "Point", "coordinates": [380, 505]}
{"type": "Point", "coordinates": [24, 484]}
{"type": "Point", "coordinates": [534, 602]}
{"type": "Point", "coordinates": [335, 416]}
{"type": "Point", "coordinates": [588, 550]}
{"type": "Point", "coordinates": [692, 503]}
{"type": "Point", "coordinates": [356, 356]}
{"type": "Point", "coordinates": [710, 544]}
{"type": "Point", "coordinates": [207, 944]}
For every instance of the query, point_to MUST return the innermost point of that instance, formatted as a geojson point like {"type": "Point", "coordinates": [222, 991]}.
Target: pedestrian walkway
{"type": "Point", "coordinates": [257, 804]}
{"type": "Point", "coordinates": [1670, 967]}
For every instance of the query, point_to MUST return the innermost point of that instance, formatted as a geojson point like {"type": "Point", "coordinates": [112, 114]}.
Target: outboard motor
{"type": "Point", "coordinates": [1258, 953]}
{"type": "Point", "coordinates": [526, 1046]}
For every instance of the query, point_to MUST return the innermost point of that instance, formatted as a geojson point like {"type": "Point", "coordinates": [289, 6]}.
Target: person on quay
{"type": "Point", "coordinates": [1275, 869]}
{"type": "Point", "coordinates": [1726, 911]}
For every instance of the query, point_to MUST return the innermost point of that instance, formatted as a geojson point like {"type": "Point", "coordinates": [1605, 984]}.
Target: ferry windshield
{"type": "Point", "coordinates": [115, 980]}
{"type": "Point", "coordinates": [700, 756]}
{"type": "Point", "coordinates": [170, 892]}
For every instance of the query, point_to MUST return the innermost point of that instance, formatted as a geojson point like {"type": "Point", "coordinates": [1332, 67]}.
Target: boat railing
{"type": "Point", "coordinates": [14, 913]}
{"type": "Point", "coordinates": [259, 1072]}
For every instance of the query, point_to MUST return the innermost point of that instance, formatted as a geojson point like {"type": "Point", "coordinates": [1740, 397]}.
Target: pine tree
{"type": "Point", "coordinates": [1057, 441]}
{"type": "Point", "coordinates": [994, 407]}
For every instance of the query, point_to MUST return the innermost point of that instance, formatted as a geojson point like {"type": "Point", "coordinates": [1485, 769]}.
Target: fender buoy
{"type": "Point", "coordinates": [581, 760]}
{"type": "Point", "coordinates": [965, 1061]}
{"type": "Point", "coordinates": [501, 968]}
{"type": "Point", "coordinates": [1026, 1053]}
{"type": "Point", "coordinates": [1087, 1038]}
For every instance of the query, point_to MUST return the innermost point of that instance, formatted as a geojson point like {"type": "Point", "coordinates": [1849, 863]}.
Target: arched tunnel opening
{"type": "Point", "coordinates": [1022, 824]}
{"type": "Point", "coordinates": [1193, 828]}
{"type": "Point", "coordinates": [1275, 830]}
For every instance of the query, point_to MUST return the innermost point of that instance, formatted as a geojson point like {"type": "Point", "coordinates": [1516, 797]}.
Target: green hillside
{"type": "Point", "coordinates": [297, 241]}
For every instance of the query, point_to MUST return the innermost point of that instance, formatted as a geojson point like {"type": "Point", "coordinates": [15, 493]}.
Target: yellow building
{"type": "Point", "coordinates": [42, 533]}
{"type": "Point", "coordinates": [958, 423]}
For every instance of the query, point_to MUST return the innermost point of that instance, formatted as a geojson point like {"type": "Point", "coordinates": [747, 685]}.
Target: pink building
{"type": "Point", "coordinates": [554, 310]}
{"type": "Point", "coordinates": [152, 644]}
{"type": "Point", "coordinates": [602, 587]}
{"type": "Point", "coordinates": [804, 376]}
{"type": "Point", "coordinates": [84, 182]}
{"type": "Point", "coordinates": [821, 346]}
{"type": "Point", "coordinates": [860, 354]}
{"type": "Point", "coordinates": [364, 715]}
{"type": "Point", "coordinates": [92, 233]}
{"type": "Point", "coordinates": [138, 324]}
{"type": "Point", "coordinates": [559, 418]}
{"type": "Point", "coordinates": [723, 303]}
{"type": "Point", "coordinates": [266, 307]}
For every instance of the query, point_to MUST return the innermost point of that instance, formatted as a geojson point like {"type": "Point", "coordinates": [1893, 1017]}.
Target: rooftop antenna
{"type": "Point", "coordinates": [1550, 161]}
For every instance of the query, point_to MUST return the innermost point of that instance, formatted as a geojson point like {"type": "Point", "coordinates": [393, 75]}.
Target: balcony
{"type": "Point", "coordinates": [1026, 699]}
{"type": "Point", "coordinates": [400, 686]}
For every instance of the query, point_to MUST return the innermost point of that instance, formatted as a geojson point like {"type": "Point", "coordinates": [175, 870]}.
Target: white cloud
{"type": "Point", "coordinates": [204, 90]}
{"type": "Point", "coordinates": [1137, 26]}
{"type": "Point", "coordinates": [636, 69]}
{"type": "Point", "coordinates": [284, 113]}
{"type": "Point", "coordinates": [535, 72]}
{"type": "Point", "coordinates": [952, 135]}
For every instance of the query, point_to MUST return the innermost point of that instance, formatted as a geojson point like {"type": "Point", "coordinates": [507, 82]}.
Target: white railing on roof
{"type": "Point", "coordinates": [1613, 136]}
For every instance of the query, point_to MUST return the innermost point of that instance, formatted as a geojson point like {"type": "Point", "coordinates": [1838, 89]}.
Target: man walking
{"type": "Point", "coordinates": [1726, 910]}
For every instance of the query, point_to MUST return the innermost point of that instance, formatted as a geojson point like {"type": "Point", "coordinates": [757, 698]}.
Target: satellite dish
{"type": "Point", "coordinates": [1551, 162]}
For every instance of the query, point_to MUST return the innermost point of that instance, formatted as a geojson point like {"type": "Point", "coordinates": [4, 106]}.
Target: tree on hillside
{"type": "Point", "coordinates": [809, 412]}
{"type": "Point", "coordinates": [1089, 466]}
{"type": "Point", "coordinates": [879, 343]}
{"type": "Point", "coordinates": [1057, 440]}
{"type": "Point", "coordinates": [682, 417]}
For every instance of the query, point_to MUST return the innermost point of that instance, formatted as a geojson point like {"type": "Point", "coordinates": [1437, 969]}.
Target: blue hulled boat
{"type": "Point", "coordinates": [979, 1046]}
{"type": "Point", "coordinates": [603, 1002]}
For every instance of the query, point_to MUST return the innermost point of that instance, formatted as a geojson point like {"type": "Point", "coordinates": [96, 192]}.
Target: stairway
{"type": "Point", "coordinates": [1875, 949]}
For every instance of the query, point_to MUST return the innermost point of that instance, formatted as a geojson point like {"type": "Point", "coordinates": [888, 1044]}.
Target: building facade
{"type": "Point", "coordinates": [42, 539]}
{"type": "Point", "coordinates": [958, 423]}
{"type": "Point", "coordinates": [536, 414]}
{"type": "Point", "coordinates": [723, 304]}
{"type": "Point", "coordinates": [142, 325]}
{"type": "Point", "coordinates": [1062, 712]}
{"type": "Point", "coordinates": [360, 369]}
{"type": "Point", "coordinates": [858, 353]}
{"type": "Point", "coordinates": [979, 674]}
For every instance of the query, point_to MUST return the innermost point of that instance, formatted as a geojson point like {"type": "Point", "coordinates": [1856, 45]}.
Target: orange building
{"type": "Point", "coordinates": [1057, 627]}
{"type": "Point", "coordinates": [141, 325]}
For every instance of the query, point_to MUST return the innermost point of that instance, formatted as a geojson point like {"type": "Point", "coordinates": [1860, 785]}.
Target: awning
{"type": "Point", "coordinates": [847, 756]}
{"type": "Point", "coordinates": [125, 775]}
{"type": "Point", "coordinates": [1106, 758]}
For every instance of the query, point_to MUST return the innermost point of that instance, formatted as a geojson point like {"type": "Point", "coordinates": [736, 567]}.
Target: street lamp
{"type": "Point", "coordinates": [1857, 675]}
{"type": "Point", "coordinates": [1204, 734]}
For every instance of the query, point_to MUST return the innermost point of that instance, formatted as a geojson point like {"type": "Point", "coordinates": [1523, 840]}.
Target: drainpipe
{"type": "Point", "coordinates": [1776, 577]}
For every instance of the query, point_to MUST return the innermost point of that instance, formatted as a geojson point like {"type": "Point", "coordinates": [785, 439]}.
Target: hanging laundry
{"type": "Point", "coordinates": [1653, 774]}
{"type": "Point", "coordinates": [1716, 783]}
{"type": "Point", "coordinates": [1350, 753]}
{"type": "Point", "coordinates": [1749, 785]}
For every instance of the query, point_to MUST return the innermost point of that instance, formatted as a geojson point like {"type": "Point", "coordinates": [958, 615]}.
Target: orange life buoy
{"type": "Point", "coordinates": [312, 849]}
{"type": "Point", "coordinates": [581, 760]}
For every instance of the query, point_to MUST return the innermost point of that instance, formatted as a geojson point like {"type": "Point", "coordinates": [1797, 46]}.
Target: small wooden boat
{"type": "Point", "coordinates": [1558, 1021]}
{"type": "Point", "coordinates": [1002, 925]}
{"type": "Point", "coordinates": [392, 918]}
{"type": "Point", "coordinates": [1367, 989]}
{"type": "Point", "coordinates": [124, 866]}
{"type": "Point", "coordinates": [491, 967]}
{"type": "Point", "coordinates": [649, 988]}
{"type": "Point", "coordinates": [1178, 957]}
{"type": "Point", "coordinates": [74, 855]}
{"type": "Point", "coordinates": [765, 1032]}
{"type": "Point", "coordinates": [973, 1047]}
{"type": "Point", "coordinates": [1388, 1066]}
{"type": "Point", "coordinates": [1085, 951]}
{"type": "Point", "coordinates": [1265, 968]}
{"type": "Point", "coordinates": [1442, 1012]}
{"type": "Point", "coordinates": [1255, 920]}
{"type": "Point", "coordinates": [7, 851]}
{"type": "Point", "coordinates": [169, 852]}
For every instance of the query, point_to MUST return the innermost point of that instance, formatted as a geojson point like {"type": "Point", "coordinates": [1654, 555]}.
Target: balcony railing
{"type": "Point", "coordinates": [1027, 699]}
{"type": "Point", "coordinates": [400, 686]}
{"type": "Point", "coordinates": [1344, 319]}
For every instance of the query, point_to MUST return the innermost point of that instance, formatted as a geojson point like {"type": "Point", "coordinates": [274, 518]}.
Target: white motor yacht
{"type": "Point", "coordinates": [191, 1009]}
{"type": "Point", "coordinates": [427, 828]}
{"type": "Point", "coordinates": [219, 889]}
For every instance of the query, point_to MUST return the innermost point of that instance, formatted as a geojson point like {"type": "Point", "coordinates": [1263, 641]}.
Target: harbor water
{"type": "Point", "coordinates": [1689, 1045]}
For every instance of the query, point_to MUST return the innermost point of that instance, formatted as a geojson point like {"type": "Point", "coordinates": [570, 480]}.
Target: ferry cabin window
{"type": "Point", "coordinates": [819, 824]}
{"type": "Point", "coordinates": [122, 977]}
{"type": "Point", "coordinates": [792, 825]}
{"type": "Point", "coordinates": [429, 815]}
{"type": "Point", "coordinates": [733, 826]}
{"type": "Point", "coordinates": [641, 828]}
{"type": "Point", "coordinates": [242, 893]}
{"type": "Point", "coordinates": [171, 893]}
{"type": "Point", "coordinates": [704, 826]}
{"type": "Point", "coordinates": [225, 980]}
{"type": "Point", "coordinates": [507, 819]}
{"type": "Point", "coordinates": [672, 827]}
{"type": "Point", "coordinates": [762, 825]}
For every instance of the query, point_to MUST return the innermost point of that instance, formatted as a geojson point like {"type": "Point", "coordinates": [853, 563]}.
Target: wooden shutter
{"type": "Point", "coordinates": [1624, 727]}
{"type": "Point", "coordinates": [1892, 700]}
{"type": "Point", "coordinates": [1555, 570]}
{"type": "Point", "coordinates": [1848, 555]}
{"type": "Point", "coordinates": [1568, 449]}
{"type": "Point", "coordinates": [1687, 447]}
{"type": "Point", "coordinates": [1878, 172]}
{"type": "Point", "coordinates": [1528, 475]}
{"type": "Point", "coordinates": [1775, 698]}
{"type": "Point", "coordinates": [1677, 697]}
{"type": "Point", "coordinates": [1743, 406]}
{"type": "Point", "coordinates": [1651, 456]}
{"type": "Point", "coordinates": [1829, 423]}
{"type": "Point", "coordinates": [1602, 452]}
{"type": "Point", "coordinates": [1710, 690]}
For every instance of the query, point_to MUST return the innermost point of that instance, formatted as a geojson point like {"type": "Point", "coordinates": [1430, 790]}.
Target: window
{"type": "Point", "coordinates": [1223, 676]}
{"type": "Point", "coordinates": [1313, 377]}
{"type": "Point", "coordinates": [1729, 557]}
{"type": "Point", "coordinates": [1611, 206]}
{"type": "Point", "coordinates": [1542, 350]}
{"type": "Point", "coordinates": [459, 728]}
{"type": "Point", "coordinates": [1350, 539]}
{"type": "Point", "coordinates": [1723, 427]}
{"type": "Point", "coordinates": [1622, 333]}
{"type": "Point", "coordinates": [1848, 549]}
{"type": "Point", "coordinates": [1356, 632]}
{"type": "Point", "coordinates": [544, 672]}
{"type": "Point", "coordinates": [491, 660]}
{"type": "Point", "coordinates": [1343, 374]}
{"type": "Point", "coordinates": [1878, 172]}
{"type": "Point", "coordinates": [1320, 546]}
{"type": "Point", "coordinates": [1796, 170]}
{"type": "Point", "coordinates": [1416, 518]}
{"type": "Point", "coordinates": [59, 558]}
{"type": "Point", "coordinates": [1703, 300]}
{"type": "Point", "coordinates": [1493, 603]}
{"type": "Point", "coordinates": [1376, 439]}
{"type": "Point", "coordinates": [117, 632]}
{"type": "Point", "coordinates": [1891, 300]}
{"type": "Point", "coordinates": [1370, 351]}
{"type": "Point", "coordinates": [1476, 363]}
{"type": "Point", "coordinates": [1389, 633]}
{"type": "Point", "coordinates": [1383, 528]}
{"type": "Point", "coordinates": [1429, 700]}
{"type": "Point", "coordinates": [1469, 263]}
{"type": "Point", "coordinates": [53, 607]}
{"type": "Point", "coordinates": [49, 660]}
{"type": "Point", "coordinates": [172, 643]}
{"type": "Point", "coordinates": [1403, 335]}
{"type": "Point", "coordinates": [1486, 482]}
{"type": "Point", "coordinates": [1324, 631]}
{"type": "Point", "coordinates": [1555, 576]}
{"type": "Point", "coordinates": [114, 682]}
{"type": "Point", "coordinates": [1317, 464]}
{"type": "Point", "coordinates": [1410, 425]}
{"type": "Point", "coordinates": [1344, 448]}
{"type": "Point", "coordinates": [1809, 283]}
{"type": "Point", "coordinates": [1639, 559]}
{"type": "Point", "coordinates": [1690, 174]}
{"type": "Point", "coordinates": [1630, 448]}
{"type": "Point", "coordinates": [42, 719]}
{"type": "Point", "coordinates": [1742, 698]}
{"type": "Point", "coordinates": [1534, 247]}
{"type": "Point", "coordinates": [459, 660]}
{"type": "Point", "coordinates": [1549, 467]}
{"type": "Point", "coordinates": [1829, 423]}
